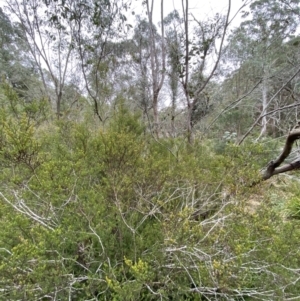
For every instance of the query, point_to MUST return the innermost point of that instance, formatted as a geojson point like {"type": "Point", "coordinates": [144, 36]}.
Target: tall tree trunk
{"type": "Point", "coordinates": [190, 124]}
{"type": "Point", "coordinates": [264, 120]}
{"type": "Point", "coordinates": [155, 114]}
{"type": "Point", "coordinates": [173, 109]}
{"type": "Point", "coordinates": [58, 105]}
{"type": "Point", "coordinates": [157, 67]}
{"type": "Point", "coordinates": [185, 8]}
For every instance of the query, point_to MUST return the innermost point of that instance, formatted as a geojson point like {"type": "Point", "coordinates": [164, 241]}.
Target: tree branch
{"type": "Point", "coordinates": [272, 98]}
{"type": "Point", "coordinates": [273, 168]}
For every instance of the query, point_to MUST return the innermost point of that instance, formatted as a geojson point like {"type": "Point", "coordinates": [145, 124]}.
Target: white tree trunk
{"type": "Point", "coordinates": [264, 120]}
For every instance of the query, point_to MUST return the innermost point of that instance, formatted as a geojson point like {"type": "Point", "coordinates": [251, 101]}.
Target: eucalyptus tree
{"type": "Point", "coordinates": [198, 48]}
{"type": "Point", "coordinates": [99, 25]}
{"type": "Point", "coordinates": [157, 58]}
{"type": "Point", "coordinates": [59, 33]}
{"type": "Point", "coordinates": [140, 56]}
{"type": "Point", "coordinates": [173, 23]}
{"type": "Point", "coordinates": [259, 50]}
{"type": "Point", "coordinates": [16, 65]}
{"type": "Point", "coordinates": [49, 36]}
{"type": "Point", "coordinates": [7, 44]}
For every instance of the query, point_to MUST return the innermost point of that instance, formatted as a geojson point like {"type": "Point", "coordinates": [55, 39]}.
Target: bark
{"type": "Point", "coordinates": [274, 168]}
{"type": "Point", "coordinates": [189, 122]}
{"type": "Point", "coordinates": [173, 129]}
{"type": "Point", "coordinates": [155, 113]}
{"type": "Point", "coordinates": [157, 65]}
{"type": "Point", "coordinates": [264, 120]}
{"type": "Point", "coordinates": [185, 8]}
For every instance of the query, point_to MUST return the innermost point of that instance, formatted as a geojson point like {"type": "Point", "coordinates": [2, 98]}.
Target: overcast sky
{"type": "Point", "coordinates": [201, 9]}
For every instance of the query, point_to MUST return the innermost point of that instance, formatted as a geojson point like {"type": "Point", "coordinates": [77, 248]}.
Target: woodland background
{"type": "Point", "coordinates": [131, 152]}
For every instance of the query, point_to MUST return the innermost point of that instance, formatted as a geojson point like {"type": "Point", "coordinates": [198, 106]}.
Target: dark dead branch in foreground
{"type": "Point", "coordinates": [274, 168]}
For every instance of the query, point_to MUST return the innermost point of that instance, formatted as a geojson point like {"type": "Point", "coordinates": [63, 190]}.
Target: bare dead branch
{"type": "Point", "coordinates": [273, 167]}
{"type": "Point", "coordinates": [22, 208]}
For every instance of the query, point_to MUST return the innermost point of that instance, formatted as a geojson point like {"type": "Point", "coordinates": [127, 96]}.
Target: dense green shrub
{"type": "Point", "coordinates": [111, 214]}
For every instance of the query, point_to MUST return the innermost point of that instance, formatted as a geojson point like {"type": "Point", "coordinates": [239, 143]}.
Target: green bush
{"type": "Point", "coordinates": [111, 214]}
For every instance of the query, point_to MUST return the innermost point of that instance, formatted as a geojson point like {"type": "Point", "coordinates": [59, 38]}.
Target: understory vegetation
{"type": "Point", "coordinates": [93, 213]}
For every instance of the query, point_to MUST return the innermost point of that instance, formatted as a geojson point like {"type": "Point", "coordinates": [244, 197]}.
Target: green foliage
{"type": "Point", "coordinates": [111, 214]}
{"type": "Point", "coordinates": [13, 104]}
{"type": "Point", "coordinates": [288, 202]}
